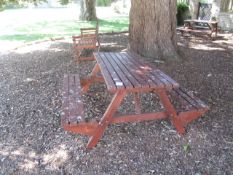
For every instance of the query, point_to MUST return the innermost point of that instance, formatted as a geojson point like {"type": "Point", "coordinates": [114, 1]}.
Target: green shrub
{"type": "Point", "coordinates": [182, 9]}
{"type": "Point", "coordinates": [103, 3]}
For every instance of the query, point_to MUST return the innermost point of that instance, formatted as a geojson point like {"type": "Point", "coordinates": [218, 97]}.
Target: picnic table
{"type": "Point", "coordinates": [124, 73]}
{"type": "Point", "coordinates": [208, 27]}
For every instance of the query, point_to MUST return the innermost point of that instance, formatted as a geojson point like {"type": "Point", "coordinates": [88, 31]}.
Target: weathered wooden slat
{"type": "Point", "coordinates": [173, 83]}
{"type": "Point", "coordinates": [75, 104]}
{"type": "Point", "coordinates": [167, 84]}
{"type": "Point", "coordinates": [184, 102]}
{"type": "Point", "coordinates": [156, 82]}
{"type": "Point", "coordinates": [65, 100]}
{"type": "Point", "coordinates": [106, 74]}
{"type": "Point", "coordinates": [186, 97]}
{"type": "Point", "coordinates": [198, 102]}
{"type": "Point", "coordinates": [135, 71]}
{"type": "Point", "coordinates": [113, 73]}
{"type": "Point", "coordinates": [117, 68]}
{"type": "Point", "coordinates": [124, 68]}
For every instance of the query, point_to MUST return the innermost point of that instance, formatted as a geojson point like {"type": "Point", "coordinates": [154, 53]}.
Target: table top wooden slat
{"type": "Point", "coordinates": [129, 75]}
{"type": "Point", "coordinates": [135, 70]}
{"type": "Point", "coordinates": [127, 69]}
{"type": "Point", "coordinates": [113, 73]}
{"type": "Point", "coordinates": [106, 74]}
{"type": "Point", "coordinates": [75, 105]}
{"type": "Point", "coordinates": [152, 72]}
{"type": "Point", "coordinates": [117, 68]}
{"type": "Point", "coordinates": [173, 82]}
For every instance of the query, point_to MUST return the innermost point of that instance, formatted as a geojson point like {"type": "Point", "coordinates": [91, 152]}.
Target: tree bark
{"type": "Point", "coordinates": [88, 10]}
{"type": "Point", "coordinates": [152, 30]}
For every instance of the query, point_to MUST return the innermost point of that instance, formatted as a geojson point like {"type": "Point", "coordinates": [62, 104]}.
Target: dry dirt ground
{"type": "Point", "coordinates": [32, 141]}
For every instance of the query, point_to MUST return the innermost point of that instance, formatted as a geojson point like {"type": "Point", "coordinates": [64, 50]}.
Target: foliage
{"type": "Point", "coordinates": [64, 2]}
{"type": "Point", "coordinates": [4, 4]}
{"type": "Point", "coordinates": [182, 9]}
{"type": "Point", "coordinates": [186, 148]}
{"type": "Point", "coordinates": [227, 6]}
{"type": "Point", "coordinates": [103, 2]}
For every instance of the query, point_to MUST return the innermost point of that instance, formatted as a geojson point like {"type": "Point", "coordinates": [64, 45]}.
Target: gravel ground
{"type": "Point", "coordinates": [32, 141]}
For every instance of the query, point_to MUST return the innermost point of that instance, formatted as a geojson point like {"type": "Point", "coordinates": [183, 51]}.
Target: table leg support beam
{"type": "Point", "coordinates": [91, 79]}
{"type": "Point", "coordinates": [107, 118]}
{"type": "Point", "coordinates": [139, 117]}
{"type": "Point", "coordinates": [137, 103]}
{"type": "Point", "coordinates": [171, 111]}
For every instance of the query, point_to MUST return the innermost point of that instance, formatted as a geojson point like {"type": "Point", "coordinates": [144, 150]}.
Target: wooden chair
{"type": "Point", "coordinates": [88, 40]}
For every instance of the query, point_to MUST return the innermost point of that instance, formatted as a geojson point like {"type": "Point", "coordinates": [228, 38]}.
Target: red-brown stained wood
{"type": "Point", "coordinates": [120, 84]}
{"type": "Point", "coordinates": [144, 67]}
{"type": "Point", "coordinates": [134, 76]}
{"type": "Point", "coordinates": [106, 74]}
{"type": "Point", "coordinates": [190, 102]}
{"type": "Point", "coordinates": [119, 71]}
{"type": "Point", "coordinates": [87, 40]}
{"type": "Point", "coordinates": [171, 111]}
{"type": "Point", "coordinates": [72, 105]}
{"type": "Point", "coordinates": [187, 98]}
{"type": "Point", "coordinates": [124, 69]}
{"type": "Point", "coordinates": [184, 103]}
{"type": "Point", "coordinates": [65, 100]}
{"type": "Point", "coordinates": [150, 72]}
{"type": "Point", "coordinates": [134, 69]}
{"type": "Point", "coordinates": [73, 112]}
{"type": "Point", "coordinates": [173, 82]}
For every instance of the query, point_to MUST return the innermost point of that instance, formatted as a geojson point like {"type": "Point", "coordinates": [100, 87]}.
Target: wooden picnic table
{"type": "Point", "coordinates": [200, 26]}
{"type": "Point", "coordinates": [124, 73]}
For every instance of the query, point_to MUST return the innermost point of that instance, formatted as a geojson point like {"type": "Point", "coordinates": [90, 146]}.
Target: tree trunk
{"type": "Point", "coordinates": [152, 30]}
{"type": "Point", "coordinates": [193, 7]}
{"type": "Point", "coordinates": [87, 10]}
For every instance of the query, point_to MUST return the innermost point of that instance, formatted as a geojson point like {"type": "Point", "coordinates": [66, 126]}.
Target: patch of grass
{"type": "Point", "coordinates": [46, 29]}
{"type": "Point", "coordinates": [186, 148]}
{"type": "Point", "coordinates": [25, 38]}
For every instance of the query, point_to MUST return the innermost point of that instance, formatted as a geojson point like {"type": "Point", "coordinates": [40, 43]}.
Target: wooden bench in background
{"type": "Point", "coordinates": [88, 40]}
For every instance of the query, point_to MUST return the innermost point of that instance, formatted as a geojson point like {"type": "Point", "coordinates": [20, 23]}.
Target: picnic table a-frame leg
{"type": "Point", "coordinates": [86, 82]}
{"type": "Point", "coordinates": [106, 119]}
{"type": "Point", "coordinates": [171, 111]}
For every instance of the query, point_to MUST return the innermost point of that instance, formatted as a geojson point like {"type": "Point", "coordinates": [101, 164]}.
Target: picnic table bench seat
{"type": "Point", "coordinates": [191, 107]}
{"type": "Point", "coordinates": [73, 117]}
{"type": "Point", "coordinates": [182, 30]}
